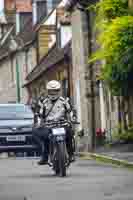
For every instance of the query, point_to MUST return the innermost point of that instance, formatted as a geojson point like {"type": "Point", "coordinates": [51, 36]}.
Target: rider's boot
{"type": "Point", "coordinates": [43, 161]}
{"type": "Point", "coordinates": [45, 153]}
{"type": "Point", "coordinates": [71, 158]}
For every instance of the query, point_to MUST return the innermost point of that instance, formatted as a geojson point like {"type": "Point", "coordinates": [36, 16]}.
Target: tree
{"type": "Point", "coordinates": [115, 39]}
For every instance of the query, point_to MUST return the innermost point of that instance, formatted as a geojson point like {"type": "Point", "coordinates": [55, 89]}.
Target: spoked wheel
{"type": "Point", "coordinates": [62, 158]}
{"type": "Point", "coordinates": [56, 163]}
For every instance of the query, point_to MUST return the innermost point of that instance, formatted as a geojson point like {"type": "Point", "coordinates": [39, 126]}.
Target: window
{"type": "Point", "coordinates": [41, 9]}
{"type": "Point", "coordinates": [55, 3]}
{"type": "Point", "coordinates": [24, 19]}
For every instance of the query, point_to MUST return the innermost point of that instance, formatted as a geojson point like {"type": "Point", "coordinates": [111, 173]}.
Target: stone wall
{"type": "Point", "coordinates": [82, 78]}
{"type": "Point", "coordinates": [7, 81]}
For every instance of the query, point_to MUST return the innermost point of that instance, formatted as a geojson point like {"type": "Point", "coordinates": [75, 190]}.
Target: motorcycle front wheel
{"type": "Point", "coordinates": [61, 150]}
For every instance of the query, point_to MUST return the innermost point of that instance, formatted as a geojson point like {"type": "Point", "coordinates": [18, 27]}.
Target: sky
{"type": "Point", "coordinates": [1, 6]}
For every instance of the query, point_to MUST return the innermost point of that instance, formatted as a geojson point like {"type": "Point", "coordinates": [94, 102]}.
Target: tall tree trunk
{"type": "Point", "coordinates": [130, 3]}
{"type": "Point", "coordinates": [119, 114]}
{"type": "Point", "coordinates": [130, 110]}
{"type": "Point", "coordinates": [123, 107]}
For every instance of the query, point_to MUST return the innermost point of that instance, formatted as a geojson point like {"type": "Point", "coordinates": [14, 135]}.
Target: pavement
{"type": "Point", "coordinates": [120, 154]}
{"type": "Point", "coordinates": [23, 179]}
{"type": "Point", "coordinates": [126, 156]}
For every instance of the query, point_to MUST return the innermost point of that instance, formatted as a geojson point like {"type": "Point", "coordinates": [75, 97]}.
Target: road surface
{"type": "Point", "coordinates": [23, 179]}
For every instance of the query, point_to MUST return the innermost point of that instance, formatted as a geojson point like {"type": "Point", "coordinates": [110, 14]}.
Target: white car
{"type": "Point", "coordinates": [16, 122]}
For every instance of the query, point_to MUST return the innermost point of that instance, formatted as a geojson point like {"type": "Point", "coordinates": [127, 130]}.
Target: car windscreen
{"type": "Point", "coordinates": [15, 112]}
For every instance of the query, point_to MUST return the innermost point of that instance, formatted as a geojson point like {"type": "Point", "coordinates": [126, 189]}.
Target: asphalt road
{"type": "Point", "coordinates": [23, 179]}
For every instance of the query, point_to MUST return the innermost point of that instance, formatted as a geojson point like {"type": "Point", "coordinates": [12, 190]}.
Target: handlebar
{"type": "Point", "coordinates": [76, 123]}
{"type": "Point", "coordinates": [56, 122]}
{"type": "Point", "coordinates": [62, 122]}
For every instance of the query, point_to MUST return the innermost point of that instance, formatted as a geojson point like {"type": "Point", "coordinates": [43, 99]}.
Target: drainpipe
{"type": "Point", "coordinates": [18, 80]}
{"type": "Point", "coordinates": [17, 63]}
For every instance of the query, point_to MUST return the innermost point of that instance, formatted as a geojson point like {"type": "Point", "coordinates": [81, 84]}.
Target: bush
{"type": "Point", "coordinates": [109, 9]}
{"type": "Point", "coordinates": [126, 136]}
{"type": "Point", "coordinates": [117, 49]}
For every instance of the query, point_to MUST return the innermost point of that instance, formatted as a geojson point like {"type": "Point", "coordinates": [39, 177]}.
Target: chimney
{"type": "Point", "coordinates": [9, 5]}
{"type": "Point", "coordinates": [9, 10]}
{"type": "Point", "coordinates": [39, 9]}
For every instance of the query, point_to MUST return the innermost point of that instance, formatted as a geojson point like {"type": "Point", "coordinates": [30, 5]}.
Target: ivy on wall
{"type": "Point", "coordinates": [114, 22]}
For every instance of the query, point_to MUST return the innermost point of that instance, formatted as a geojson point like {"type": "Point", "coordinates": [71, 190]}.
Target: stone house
{"type": "Point", "coordinates": [54, 52]}
{"type": "Point", "coordinates": [9, 67]}
{"type": "Point", "coordinates": [18, 31]}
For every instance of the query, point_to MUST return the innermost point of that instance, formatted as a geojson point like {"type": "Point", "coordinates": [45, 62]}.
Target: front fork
{"type": "Point", "coordinates": [53, 148]}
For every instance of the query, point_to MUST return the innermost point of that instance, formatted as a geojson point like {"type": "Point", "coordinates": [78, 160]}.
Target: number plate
{"type": "Point", "coordinates": [59, 131]}
{"type": "Point", "coordinates": [16, 138]}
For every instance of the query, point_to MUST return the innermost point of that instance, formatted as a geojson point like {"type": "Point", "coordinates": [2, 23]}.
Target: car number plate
{"type": "Point", "coordinates": [16, 138]}
{"type": "Point", "coordinates": [59, 131]}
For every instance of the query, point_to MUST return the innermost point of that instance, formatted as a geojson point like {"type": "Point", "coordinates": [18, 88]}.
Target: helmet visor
{"type": "Point", "coordinates": [53, 94]}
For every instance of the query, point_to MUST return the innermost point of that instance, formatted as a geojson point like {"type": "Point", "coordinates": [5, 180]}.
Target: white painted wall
{"type": "Point", "coordinates": [66, 35]}
{"type": "Point", "coordinates": [52, 40]}
{"type": "Point", "coordinates": [34, 7]}
{"type": "Point", "coordinates": [17, 23]}
{"type": "Point", "coordinates": [51, 19]}
{"type": "Point", "coordinates": [102, 107]}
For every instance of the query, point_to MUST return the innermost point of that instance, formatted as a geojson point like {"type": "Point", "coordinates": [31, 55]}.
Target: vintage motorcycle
{"type": "Point", "coordinates": [58, 154]}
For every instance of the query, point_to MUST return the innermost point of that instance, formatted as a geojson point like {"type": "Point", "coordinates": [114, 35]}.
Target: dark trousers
{"type": "Point", "coordinates": [40, 136]}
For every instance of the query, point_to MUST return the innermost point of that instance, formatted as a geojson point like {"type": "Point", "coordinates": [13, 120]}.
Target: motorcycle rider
{"type": "Point", "coordinates": [53, 108]}
{"type": "Point", "coordinates": [35, 106]}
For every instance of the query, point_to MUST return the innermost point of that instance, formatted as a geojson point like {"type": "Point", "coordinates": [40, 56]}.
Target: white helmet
{"type": "Point", "coordinates": [53, 87]}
